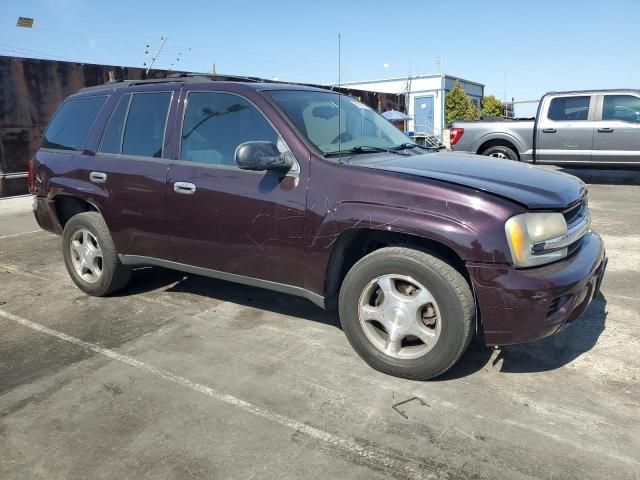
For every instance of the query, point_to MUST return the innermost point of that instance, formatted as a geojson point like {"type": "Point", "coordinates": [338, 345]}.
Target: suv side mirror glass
{"type": "Point", "coordinates": [262, 156]}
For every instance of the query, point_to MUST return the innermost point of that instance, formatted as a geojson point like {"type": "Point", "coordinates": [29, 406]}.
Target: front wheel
{"type": "Point", "coordinates": [407, 313]}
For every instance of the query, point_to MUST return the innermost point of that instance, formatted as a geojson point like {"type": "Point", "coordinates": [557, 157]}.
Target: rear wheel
{"type": "Point", "coordinates": [90, 255]}
{"type": "Point", "coordinates": [501, 151]}
{"type": "Point", "coordinates": [407, 313]}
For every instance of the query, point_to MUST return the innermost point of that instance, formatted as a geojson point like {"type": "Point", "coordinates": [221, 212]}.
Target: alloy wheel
{"type": "Point", "coordinates": [86, 255]}
{"type": "Point", "coordinates": [399, 316]}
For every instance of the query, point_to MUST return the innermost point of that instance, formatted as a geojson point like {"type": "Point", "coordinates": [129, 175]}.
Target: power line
{"type": "Point", "coordinates": [128, 49]}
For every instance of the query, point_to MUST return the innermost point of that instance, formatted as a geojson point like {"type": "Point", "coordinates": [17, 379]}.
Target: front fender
{"type": "Point", "coordinates": [449, 231]}
{"type": "Point", "coordinates": [480, 240]}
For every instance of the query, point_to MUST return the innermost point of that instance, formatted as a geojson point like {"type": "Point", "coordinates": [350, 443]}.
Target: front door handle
{"type": "Point", "coordinates": [98, 177]}
{"type": "Point", "coordinates": [549, 130]}
{"type": "Point", "coordinates": [605, 130]}
{"type": "Point", "coordinates": [185, 188]}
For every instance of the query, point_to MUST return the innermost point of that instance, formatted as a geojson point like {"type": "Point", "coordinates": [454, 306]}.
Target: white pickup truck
{"type": "Point", "coordinates": [599, 127]}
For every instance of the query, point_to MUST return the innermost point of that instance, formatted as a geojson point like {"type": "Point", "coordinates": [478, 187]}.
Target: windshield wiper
{"type": "Point", "coordinates": [361, 149]}
{"type": "Point", "coordinates": [405, 146]}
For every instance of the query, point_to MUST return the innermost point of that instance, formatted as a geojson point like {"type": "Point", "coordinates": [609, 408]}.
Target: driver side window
{"type": "Point", "coordinates": [216, 123]}
{"type": "Point", "coordinates": [625, 108]}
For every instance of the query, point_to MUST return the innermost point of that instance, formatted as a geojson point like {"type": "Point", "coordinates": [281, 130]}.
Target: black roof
{"type": "Point", "coordinates": [249, 82]}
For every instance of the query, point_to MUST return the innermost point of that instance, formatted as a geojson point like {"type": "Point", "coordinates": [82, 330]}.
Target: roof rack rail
{"type": "Point", "coordinates": [176, 77]}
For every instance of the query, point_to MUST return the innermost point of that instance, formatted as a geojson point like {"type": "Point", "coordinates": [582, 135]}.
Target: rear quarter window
{"type": "Point", "coordinates": [72, 122]}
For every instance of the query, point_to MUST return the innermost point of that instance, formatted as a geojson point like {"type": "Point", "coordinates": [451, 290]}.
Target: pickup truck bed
{"type": "Point", "coordinates": [478, 137]}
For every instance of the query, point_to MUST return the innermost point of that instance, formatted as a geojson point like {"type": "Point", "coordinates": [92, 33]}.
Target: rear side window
{"type": "Point", "coordinates": [144, 128]}
{"type": "Point", "coordinates": [569, 108]}
{"type": "Point", "coordinates": [71, 124]}
{"type": "Point", "coordinates": [112, 139]}
{"type": "Point", "coordinates": [216, 123]}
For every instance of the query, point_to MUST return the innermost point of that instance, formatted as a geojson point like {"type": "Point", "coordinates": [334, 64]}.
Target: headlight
{"type": "Point", "coordinates": [530, 236]}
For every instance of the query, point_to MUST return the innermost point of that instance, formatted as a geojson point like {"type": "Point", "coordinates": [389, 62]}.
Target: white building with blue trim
{"type": "Point", "coordinates": [424, 98]}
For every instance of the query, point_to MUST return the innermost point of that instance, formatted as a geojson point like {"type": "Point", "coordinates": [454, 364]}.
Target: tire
{"type": "Point", "coordinates": [447, 287]}
{"type": "Point", "coordinates": [500, 151]}
{"type": "Point", "coordinates": [113, 276]}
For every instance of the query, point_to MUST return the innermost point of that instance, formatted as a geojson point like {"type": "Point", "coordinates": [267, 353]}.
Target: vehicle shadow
{"type": "Point", "coordinates": [544, 355]}
{"type": "Point", "coordinates": [147, 279]}
{"type": "Point", "coordinates": [609, 176]}
{"type": "Point", "coordinates": [541, 356]}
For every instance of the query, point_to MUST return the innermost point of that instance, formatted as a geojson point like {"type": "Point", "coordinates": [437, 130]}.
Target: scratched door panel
{"type": "Point", "coordinates": [246, 223]}
{"type": "Point", "coordinates": [237, 221]}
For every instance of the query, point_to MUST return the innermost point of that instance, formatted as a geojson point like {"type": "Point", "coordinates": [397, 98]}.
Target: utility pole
{"type": "Point", "coordinates": [153, 60]}
{"type": "Point", "coordinates": [504, 94]}
{"type": "Point", "coordinates": [214, 69]}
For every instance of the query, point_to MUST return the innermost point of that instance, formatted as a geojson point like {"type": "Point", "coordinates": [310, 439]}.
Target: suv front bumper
{"type": "Point", "coordinates": [518, 306]}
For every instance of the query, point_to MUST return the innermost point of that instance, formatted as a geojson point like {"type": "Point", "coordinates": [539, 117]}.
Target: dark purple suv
{"type": "Point", "coordinates": [309, 192]}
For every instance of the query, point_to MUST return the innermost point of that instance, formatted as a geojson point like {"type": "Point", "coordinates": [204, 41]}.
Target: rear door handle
{"type": "Point", "coordinates": [605, 130]}
{"type": "Point", "coordinates": [98, 177]}
{"type": "Point", "coordinates": [185, 188]}
{"type": "Point", "coordinates": [549, 130]}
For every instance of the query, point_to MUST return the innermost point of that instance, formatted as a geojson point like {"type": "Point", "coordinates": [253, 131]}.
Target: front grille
{"type": "Point", "coordinates": [574, 246]}
{"type": "Point", "coordinates": [554, 306]}
{"type": "Point", "coordinates": [578, 221]}
{"type": "Point", "coordinates": [576, 211]}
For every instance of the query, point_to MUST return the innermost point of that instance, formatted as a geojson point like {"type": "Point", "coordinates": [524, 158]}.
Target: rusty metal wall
{"type": "Point", "coordinates": [31, 90]}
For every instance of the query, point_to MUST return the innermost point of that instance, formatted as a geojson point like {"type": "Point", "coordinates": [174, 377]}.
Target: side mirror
{"type": "Point", "coordinates": [262, 156]}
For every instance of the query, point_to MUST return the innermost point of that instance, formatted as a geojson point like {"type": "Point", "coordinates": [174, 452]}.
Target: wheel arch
{"type": "Point", "coordinates": [498, 143]}
{"type": "Point", "coordinates": [66, 206]}
{"type": "Point", "coordinates": [504, 140]}
{"type": "Point", "coordinates": [353, 244]}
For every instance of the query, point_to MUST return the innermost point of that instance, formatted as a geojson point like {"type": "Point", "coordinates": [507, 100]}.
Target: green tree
{"type": "Point", "coordinates": [491, 107]}
{"type": "Point", "coordinates": [459, 106]}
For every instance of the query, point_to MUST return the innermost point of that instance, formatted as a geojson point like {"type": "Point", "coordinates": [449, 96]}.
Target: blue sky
{"type": "Point", "coordinates": [536, 45]}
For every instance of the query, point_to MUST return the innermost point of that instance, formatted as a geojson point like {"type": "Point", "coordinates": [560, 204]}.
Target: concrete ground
{"type": "Point", "coordinates": [185, 377]}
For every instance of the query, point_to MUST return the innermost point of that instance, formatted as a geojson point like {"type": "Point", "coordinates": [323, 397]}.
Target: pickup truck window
{"type": "Point", "coordinates": [216, 123]}
{"type": "Point", "coordinates": [625, 108]}
{"type": "Point", "coordinates": [569, 108]}
{"type": "Point", "coordinates": [144, 130]}
{"type": "Point", "coordinates": [71, 124]}
{"type": "Point", "coordinates": [112, 139]}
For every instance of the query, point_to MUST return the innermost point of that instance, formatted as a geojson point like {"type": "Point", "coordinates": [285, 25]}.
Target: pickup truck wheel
{"type": "Point", "coordinates": [90, 255]}
{"type": "Point", "coordinates": [500, 151]}
{"type": "Point", "coordinates": [407, 313]}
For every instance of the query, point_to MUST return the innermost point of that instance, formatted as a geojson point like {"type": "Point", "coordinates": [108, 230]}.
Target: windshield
{"type": "Point", "coordinates": [352, 126]}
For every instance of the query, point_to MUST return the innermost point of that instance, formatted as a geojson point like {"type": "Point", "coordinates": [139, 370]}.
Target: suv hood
{"type": "Point", "coordinates": [531, 186]}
